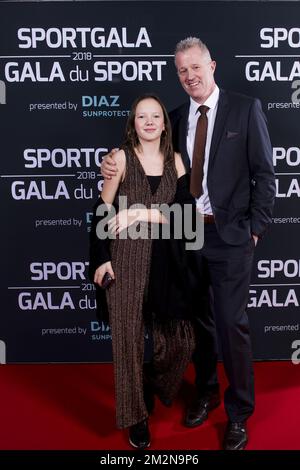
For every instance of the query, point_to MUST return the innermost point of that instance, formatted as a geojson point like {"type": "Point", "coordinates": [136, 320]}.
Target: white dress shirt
{"type": "Point", "coordinates": [203, 203]}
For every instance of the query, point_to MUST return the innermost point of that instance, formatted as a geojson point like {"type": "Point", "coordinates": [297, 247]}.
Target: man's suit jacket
{"type": "Point", "coordinates": [240, 178]}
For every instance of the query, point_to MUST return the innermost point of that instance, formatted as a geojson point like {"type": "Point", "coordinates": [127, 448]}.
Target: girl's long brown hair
{"type": "Point", "coordinates": [131, 140]}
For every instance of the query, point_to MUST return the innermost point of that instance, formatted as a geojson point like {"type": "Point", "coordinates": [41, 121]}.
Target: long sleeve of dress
{"type": "Point", "coordinates": [168, 289]}
{"type": "Point", "coordinates": [99, 253]}
{"type": "Point", "coordinates": [99, 248]}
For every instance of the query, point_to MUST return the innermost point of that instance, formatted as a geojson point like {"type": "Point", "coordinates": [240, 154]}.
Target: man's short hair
{"type": "Point", "coordinates": [189, 42]}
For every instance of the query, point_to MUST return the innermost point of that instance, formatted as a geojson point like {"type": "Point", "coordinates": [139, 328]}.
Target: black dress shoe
{"type": "Point", "coordinates": [139, 435]}
{"type": "Point", "coordinates": [198, 412]}
{"type": "Point", "coordinates": [236, 436]}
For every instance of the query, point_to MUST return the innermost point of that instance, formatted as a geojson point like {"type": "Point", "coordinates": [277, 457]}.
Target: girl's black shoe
{"type": "Point", "coordinates": [139, 435]}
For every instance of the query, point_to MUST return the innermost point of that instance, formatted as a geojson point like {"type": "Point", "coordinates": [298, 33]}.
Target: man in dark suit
{"type": "Point", "coordinates": [235, 195]}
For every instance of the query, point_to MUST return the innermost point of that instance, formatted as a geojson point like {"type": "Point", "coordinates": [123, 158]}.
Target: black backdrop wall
{"type": "Point", "coordinates": [69, 72]}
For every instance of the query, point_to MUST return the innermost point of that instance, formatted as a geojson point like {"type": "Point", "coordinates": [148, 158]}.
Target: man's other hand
{"type": "Point", "coordinates": [255, 238]}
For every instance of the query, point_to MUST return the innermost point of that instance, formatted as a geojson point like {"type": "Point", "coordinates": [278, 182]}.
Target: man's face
{"type": "Point", "coordinates": [196, 73]}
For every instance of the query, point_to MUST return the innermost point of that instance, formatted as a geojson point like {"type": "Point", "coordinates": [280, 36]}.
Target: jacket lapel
{"type": "Point", "coordinates": [221, 116]}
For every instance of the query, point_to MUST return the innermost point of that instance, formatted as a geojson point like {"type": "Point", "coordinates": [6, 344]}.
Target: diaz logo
{"type": "Point", "coordinates": [2, 92]}
{"type": "Point", "coordinates": [102, 106]}
{"type": "Point", "coordinates": [111, 101]}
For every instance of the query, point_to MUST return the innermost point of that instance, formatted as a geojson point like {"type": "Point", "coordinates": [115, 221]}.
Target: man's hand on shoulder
{"type": "Point", "coordinates": [108, 165]}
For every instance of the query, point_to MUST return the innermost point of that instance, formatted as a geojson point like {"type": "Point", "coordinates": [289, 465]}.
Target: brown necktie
{"type": "Point", "coordinates": [198, 153]}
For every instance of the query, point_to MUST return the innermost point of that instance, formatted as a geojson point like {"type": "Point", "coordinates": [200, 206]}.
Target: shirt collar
{"type": "Point", "coordinates": [211, 101]}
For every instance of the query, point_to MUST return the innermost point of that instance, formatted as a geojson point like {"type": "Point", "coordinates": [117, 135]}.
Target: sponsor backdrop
{"type": "Point", "coordinates": [68, 75]}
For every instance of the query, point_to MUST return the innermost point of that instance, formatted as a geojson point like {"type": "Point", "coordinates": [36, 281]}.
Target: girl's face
{"type": "Point", "coordinates": [149, 120]}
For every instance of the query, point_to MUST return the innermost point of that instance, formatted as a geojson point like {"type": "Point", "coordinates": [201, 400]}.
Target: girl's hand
{"type": "Point", "coordinates": [99, 273]}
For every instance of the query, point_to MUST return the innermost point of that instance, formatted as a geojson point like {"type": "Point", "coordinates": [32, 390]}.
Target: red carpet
{"type": "Point", "coordinates": [72, 407]}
